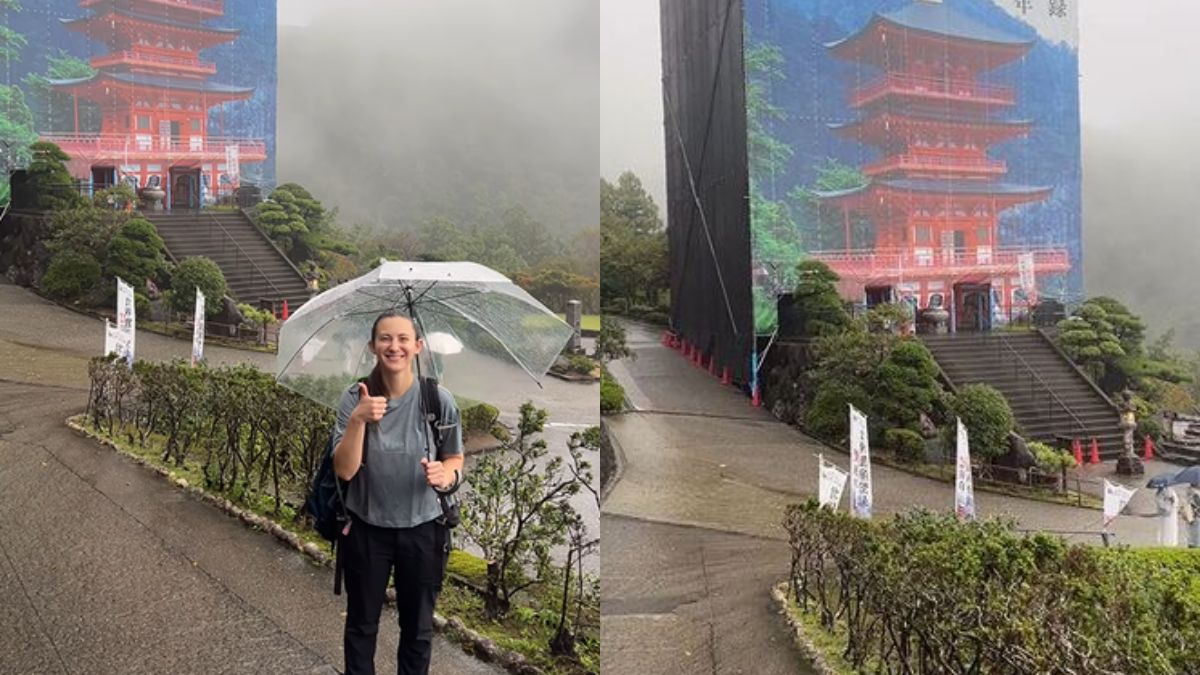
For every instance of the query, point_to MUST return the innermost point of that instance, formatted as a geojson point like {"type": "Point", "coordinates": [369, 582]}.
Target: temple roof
{"type": "Point", "coordinates": [158, 81]}
{"type": "Point", "coordinates": [939, 19]}
{"type": "Point", "coordinates": [946, 187]}
{"type": "Point", "coordinates": [160, 20]}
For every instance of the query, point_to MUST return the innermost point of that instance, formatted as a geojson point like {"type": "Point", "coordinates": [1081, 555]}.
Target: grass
{"type": "Point", "coordinates": [589, 322]}
{"type": "Point", "coordinates": [830, 645]}
{"type": "Point", "coordinates": [527, 630]}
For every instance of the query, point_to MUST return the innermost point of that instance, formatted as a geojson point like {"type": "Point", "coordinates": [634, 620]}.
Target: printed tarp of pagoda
{"type": "Point", "coordinates": [931, 58]}
{"type": "Point", "coordinates": [153, 70]}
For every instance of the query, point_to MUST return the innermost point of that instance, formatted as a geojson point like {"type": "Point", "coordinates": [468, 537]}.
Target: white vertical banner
{"type": "Point", "coordinates": [832, 483]}
{"type": "Point", "coordinates": [198, 329]}
{"type": "Point", "coordinates": [232, 166]}
{"type": "Point", "coordinates": [1115, 499]}
{"type": "Point", "coordinates": [860, 465]}
{"type": "Point", "coordinates": [126, 321]}
{"type": "Point", "coordinates": [1025, 267]}
{"type": "Point", "coordinates": [112, 338]}
{"type": "Point", "coordinates": [964, 488]}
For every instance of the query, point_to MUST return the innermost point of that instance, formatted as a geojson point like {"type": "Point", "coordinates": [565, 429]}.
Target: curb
{"type": "Point", "coordinates": [452, 628]}
{"type": "Point", "coordinates": [618, 462]}
{"type": "Point", "coordinates": [814, 655]}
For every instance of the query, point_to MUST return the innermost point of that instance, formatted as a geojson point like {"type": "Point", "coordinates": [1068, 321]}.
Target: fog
{"type": "Point", "coordinates": [398, 112]}
{"type": "Point", "coordinates": [1140, 104]}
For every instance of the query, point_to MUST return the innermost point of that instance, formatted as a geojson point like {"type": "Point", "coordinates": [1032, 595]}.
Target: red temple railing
{"type": "Point", "coordinates": [135, 146]}
{"type": "Point", "coordinates": [920, 162]}
{"type": "Point", "coordinates": [135, 58]}
{"type": "Point", "coordinates": [931, 261]}
{"type": "Point", "coordinates": [933, 87]}
{"type": "Point", "coordinates": [214, 7]}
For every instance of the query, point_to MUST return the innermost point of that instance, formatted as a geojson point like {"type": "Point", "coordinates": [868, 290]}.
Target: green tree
{"type": "Point", "coordinates": [84, 229]}
{"type": "Point", "coordinates": [776, 239]}
{"type": "Point", "coordinates": [817, 299]}
{"type": "Point", "coordinates": [16, 135]}
{"type": "Point", "coordinates": [827, 224]}
{"type": "Point", "coordinates": [519, 508]}
{"type": "Point", "coordinates": [192, 273]}
{"type": "Point", "coordinates": [11, 42]}
{"type": "Point", "coordinates": [633, 245]}
{"type": "Point", "coordinates": [907, 386]}
{"type": "Point", "coordinates": [49, 185]}
{"type": "Point", "coordinates": [528, 236]}
{"type": "Point", "coordinates": [1089, 338]}
{"type": "Point", "coordinates": [627, 205]}
{"type": "Point", "coordinates": [71, 275]}
{"type": "Point", "coordinates": [53, 109]}
{"type": "Point", "coordinates": [987, 416]}
{"type": "Point", "coordinates": [136, 253]}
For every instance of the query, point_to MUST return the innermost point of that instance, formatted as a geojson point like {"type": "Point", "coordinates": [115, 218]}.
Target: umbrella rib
{"type": "Point", "coordinates": [413, 302]}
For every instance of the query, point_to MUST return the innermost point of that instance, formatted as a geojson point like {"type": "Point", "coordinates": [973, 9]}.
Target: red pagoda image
{"type": "Point", "coordinates": [154, 94]}
{"type": "Point", "coordinates": [934, 196]}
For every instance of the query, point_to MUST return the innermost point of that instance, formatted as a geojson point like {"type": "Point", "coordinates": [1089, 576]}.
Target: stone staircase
{"type": "Point", "coordinates": [256, 272]}
{"type": "Point", "coordinates": [1050, 398]}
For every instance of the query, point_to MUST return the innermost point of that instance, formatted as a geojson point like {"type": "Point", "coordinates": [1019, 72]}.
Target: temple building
{"type": "Point", "coordinates": [155, 96]}
{"type": "Point", "coordinates": [933, 197]}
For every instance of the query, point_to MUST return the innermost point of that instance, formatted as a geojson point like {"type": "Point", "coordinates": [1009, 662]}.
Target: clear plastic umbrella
{"type": "Point", "coordinates": [482, 330]}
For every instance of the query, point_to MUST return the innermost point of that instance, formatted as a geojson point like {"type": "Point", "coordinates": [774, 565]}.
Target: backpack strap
{"type": "Point", "coordinates": [432, 408]}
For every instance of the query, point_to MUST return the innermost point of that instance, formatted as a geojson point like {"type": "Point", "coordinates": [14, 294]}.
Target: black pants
{"type": "Point", "coordinates": [370, 554]}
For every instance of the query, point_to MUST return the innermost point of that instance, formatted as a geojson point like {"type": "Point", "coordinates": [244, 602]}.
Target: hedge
{"type": "Point", "coordinates": [924, 593]}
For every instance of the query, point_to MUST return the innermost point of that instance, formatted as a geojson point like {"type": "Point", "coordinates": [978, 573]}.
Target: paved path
{"type": "Point", "coordinates": [705, 484]}
{"type": "Point", "coordinates": [106, 568]}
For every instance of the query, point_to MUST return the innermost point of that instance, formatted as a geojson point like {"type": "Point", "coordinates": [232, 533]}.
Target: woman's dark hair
{"type": "Point", "coordinates": [375, 383]}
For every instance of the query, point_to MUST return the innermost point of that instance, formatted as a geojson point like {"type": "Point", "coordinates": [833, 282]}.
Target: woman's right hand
{"type": "Point", "coordinates": [369, 408]}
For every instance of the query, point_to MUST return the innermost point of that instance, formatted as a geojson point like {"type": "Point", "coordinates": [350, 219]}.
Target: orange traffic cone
{"type": "Point", "coordinates": [1148, 449]}
{"type": "Point", "coordinates": [1077, 447]}
{"type": "Point", "coordinates": [1095, 458]}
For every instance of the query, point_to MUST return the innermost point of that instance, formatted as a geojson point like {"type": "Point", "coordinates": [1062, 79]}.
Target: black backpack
{"type": "Point", "coordinates": [326, 502]}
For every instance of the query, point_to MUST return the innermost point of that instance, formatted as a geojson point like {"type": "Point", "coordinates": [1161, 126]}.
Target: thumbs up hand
{"type": "Point", "coordinates": [369, 408]}
{"type": "Point", "coordinates": [435, 474]}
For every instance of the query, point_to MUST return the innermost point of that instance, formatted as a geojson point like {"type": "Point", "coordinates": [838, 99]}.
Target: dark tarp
{"type": "Point", "coordinates": [705, 124]}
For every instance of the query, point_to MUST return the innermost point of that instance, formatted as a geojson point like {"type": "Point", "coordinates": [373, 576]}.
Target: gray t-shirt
{"type": "Point", "coordinates": [389, 489]}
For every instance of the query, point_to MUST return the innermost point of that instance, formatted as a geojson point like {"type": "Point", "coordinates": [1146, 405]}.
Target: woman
{"type": "Point", "coordinates": [392, 499]}
{"type": "Point", "coordinates": [1193, 517]}
{"type": "Point", "coordinates": [1168, 516]}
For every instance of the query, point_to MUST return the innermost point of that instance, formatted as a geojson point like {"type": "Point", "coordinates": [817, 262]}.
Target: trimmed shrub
{"type": "Point", "coordinates": [71, 274]}
{"type": "Point", "coordinates": [967, 578]}
{"type": "Point", "coordinates": [988, 418]}
{"type": "Point", "coordinates": [581, 364]}
{"type": "Point", "coordinates": [135, 253]}
{"type": "Point", "coordinates": [828, 416]}
{"type": "Point", "coordinates": [197, 272]}
{"type": "Point", "coordinates": [1051, 459]}
{"type": "Point", "coordinates": [907, 444]}
{"type": "Point", "coordinates": [479, 418]}
{"type": "Point", "coordinates": [612, 394]}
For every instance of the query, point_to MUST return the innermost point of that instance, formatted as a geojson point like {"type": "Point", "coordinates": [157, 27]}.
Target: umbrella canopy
{"type": "Point", "coordinates": [481, 327]}
{"type": "Point", "coordinates": [1188, 476]}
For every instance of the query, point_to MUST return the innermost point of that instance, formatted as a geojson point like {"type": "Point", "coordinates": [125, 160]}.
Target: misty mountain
{"type": "Point", "coordinates": [397, 113]}
{"type": "Point", "coordinates": [1142, 232]}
